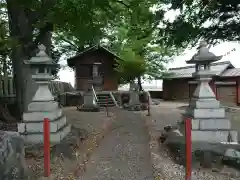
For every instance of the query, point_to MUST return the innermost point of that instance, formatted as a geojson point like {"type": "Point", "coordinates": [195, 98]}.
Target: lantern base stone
{"type": "Point", "coordinates": [55, 137]}
{"type": "Point", "coordinates": [90, 104]}
{"type": "Point", "coordinates": [37, 127]}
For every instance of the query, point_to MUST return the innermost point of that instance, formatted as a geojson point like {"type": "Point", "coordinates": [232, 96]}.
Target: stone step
{"type": "Point", "coordinates": [42, 106]}
{"type": "Point", "coordinates": [210, 104]}
{"type": "Point", "coordinates": [104, 102]}
{"type": "Point", "coordinates": [103, 98]}
{"type": "Point", "coordinates": [112, 105]}
{"type": "Point", "coordinates": [55, 137]}
{"type": "Point", "coordinates": [103, 94]}
{"type": "Point", "coordinates": [39, 116]}
{"type": "Point", "coordinates": [207, 113]}
{"type": "Point", "coordinates": [209, 124]}
{"type": "Point", "coordinates": [214, 136]}
{"type": "Point", "coordinates": [37, 127]}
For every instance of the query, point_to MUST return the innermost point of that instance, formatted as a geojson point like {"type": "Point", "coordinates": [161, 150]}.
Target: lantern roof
{"type": "Point", "coordinates": [203, 56]}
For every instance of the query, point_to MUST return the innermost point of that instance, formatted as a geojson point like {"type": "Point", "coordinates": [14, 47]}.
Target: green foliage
{"type": "Point", "coordinates": [132, 39]}
{"type": "Point", "coordinates": [212, 20]}
{"type": "Point", "coordinates": [130, 66]}
{"type": "Point", "coordinates": [128, 26]}
{"type": "Point", "coordinates": [5, 43]}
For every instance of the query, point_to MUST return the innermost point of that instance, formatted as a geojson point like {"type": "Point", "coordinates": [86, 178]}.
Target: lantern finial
{"type": "Point", "coordinates": [203, 44]}
{"type": "Point", "coordinates": [41, 47]}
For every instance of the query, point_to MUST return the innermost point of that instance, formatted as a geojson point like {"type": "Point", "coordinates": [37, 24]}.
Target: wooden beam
{"type": "Point", "coordinates": [225, 83]}
{"type": "Point", "coordinates": [192, 82]}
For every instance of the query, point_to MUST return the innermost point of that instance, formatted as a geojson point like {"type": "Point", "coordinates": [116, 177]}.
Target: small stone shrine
{"type": "Point", "coordinates": [43, 104]}
{"type": "Point", "coordinates": [89, 99]}
{"type": "Point", "coordinates": [209, 122]}
{"type": "Point", "coordinates": [134, 102]}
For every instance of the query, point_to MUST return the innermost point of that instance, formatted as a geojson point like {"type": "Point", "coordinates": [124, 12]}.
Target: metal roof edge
{"type": "Point", "coordinates": [95, 47]}
{"type": "Point", "coordinates": [227, 65]}
{"type": "Point", "coordinates": [192, 66]}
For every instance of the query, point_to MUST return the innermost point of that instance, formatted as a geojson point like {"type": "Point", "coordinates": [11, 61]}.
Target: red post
{"type": "Point", "coordinates": [46, 148]}
{"type": "Point", "coordinates": [188, 136]}
{"type": "Point", "coordinates": [148, 101]}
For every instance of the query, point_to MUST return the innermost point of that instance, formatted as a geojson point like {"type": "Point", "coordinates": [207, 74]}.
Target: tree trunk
{"type": "Point", "coordinates": [139, 83]}
{"type": "Point", "coordinates": [22, 33]}
{"type": "Point", "coordinates": [21, 30]}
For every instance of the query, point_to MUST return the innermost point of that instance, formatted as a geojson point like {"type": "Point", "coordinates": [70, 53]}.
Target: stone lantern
{"type": "Point", "coordinates": [202, 60]}
{"type": "Point", "coordinates": [43, 104]}
{"type": "Point", "coordinates": [209, 123]}
{"type": "Point", "coordinates": [41, 67]}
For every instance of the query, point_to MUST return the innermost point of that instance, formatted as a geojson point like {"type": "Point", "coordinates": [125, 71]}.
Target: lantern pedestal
{"type": "Point", "coordinates": [134, 102]}
{"type": "Point", "coordinates": [89, 99]}
{"type": "Point", "coordinates": [90, 103]}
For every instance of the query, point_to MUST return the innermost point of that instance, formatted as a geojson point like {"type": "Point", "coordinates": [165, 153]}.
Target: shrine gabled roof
{"type": "Point", "coordinates": [88, 50]}
{"type": "Point", "coordinates": [231, 72]}
{"type": "Point", "coordinates": [186, 72]}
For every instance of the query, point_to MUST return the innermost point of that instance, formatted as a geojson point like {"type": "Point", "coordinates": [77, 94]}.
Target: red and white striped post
{"type": "Point", "coordinates": [188, 136]}
{"type": "Point", "coordinates": [46, 131]}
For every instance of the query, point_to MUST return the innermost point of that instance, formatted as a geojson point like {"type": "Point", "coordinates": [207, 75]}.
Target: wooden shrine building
{"type": "Point", "coordinates": [180, 85]}
{"type": "Point", "coordinates": [95, 61]}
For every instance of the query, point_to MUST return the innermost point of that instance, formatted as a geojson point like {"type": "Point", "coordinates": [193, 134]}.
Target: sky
{"type": "Point", "coordinates": [179, 61]}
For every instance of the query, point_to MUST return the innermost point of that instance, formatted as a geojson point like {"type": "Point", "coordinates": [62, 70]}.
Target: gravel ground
{"type": "Point", "coordinates": [124, 153]}
{"type": "Point", "coordinates": [89, 121]}
{"type": "Point", "coordinates": [164, 167]}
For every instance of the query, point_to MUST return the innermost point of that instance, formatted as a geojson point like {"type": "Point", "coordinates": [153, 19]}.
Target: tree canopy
{"type": "Point", "coordinates": [215, 21]}
{"type": "Point", "coordinates": [136, 30]}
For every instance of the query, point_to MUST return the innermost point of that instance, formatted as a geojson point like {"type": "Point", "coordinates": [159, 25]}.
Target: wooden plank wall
{"type": "Point", "coordinates": [6, 86]}
{"type": "Point", "coordinates": [8, 93]}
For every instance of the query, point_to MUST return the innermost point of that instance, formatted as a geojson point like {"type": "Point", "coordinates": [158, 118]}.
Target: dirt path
{"type": "Point", "coordinates": [124, 152]}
